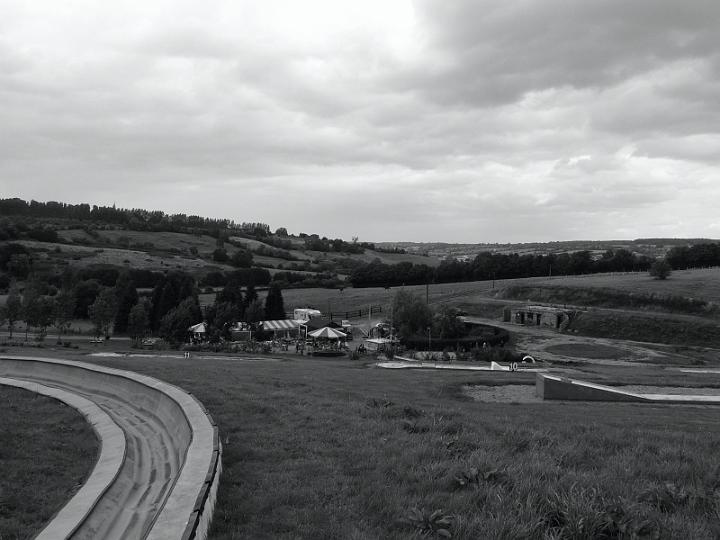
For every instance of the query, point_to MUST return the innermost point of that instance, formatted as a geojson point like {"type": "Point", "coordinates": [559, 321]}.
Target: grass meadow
{"type": "Point", "coordinates": [335, 449]}
{"type": "Point", "coordinates": [47, 449]}
{"type": "Point", "coordinates": [701, 284]}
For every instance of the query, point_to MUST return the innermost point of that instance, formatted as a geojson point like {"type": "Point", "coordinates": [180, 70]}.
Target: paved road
{"type": "Point", "coordinates": [52, 337]}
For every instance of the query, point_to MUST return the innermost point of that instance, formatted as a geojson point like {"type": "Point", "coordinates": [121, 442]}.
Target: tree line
{"type": "Point", "coordinates": [488, 265]}
{"type": "Point", "coordinates": [168, 311]}
{"type": "Point", "coordinates": [137, 219]}
{"type": "Point", "coordinates": [695, 256]}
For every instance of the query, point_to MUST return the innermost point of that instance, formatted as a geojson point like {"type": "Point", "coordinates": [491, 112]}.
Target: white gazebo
{"type": "Point", "coordinates": [327, 333]}
{"type": "Point", "coordinates": [198, 331]}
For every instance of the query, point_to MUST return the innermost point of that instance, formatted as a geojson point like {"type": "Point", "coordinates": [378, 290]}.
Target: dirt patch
{"type": "Point", "coordinates": [508, 393]}
{"type": "Point", "coordinates": [588, 350]}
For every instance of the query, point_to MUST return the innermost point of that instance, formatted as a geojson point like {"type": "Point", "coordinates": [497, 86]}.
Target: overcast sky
{"type": "Point", "coordinates": [429, 120]}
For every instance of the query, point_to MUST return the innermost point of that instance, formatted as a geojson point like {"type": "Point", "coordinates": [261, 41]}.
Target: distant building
{"type": "Point", "coordinates": [548, 317]}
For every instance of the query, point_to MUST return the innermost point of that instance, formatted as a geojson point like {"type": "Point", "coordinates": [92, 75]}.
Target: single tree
{"type": "Point", "coordinates": [31, 305]}
{"type": "Point", "coordinates": [13, 309]}
{"type": "Point", "coordinates": [446, 323]}
{"type": "Point", "coordinates": [224, 314]}
{"type": "Point", "coordinates": [660, 269]}
{"type": "Point", "coordinates": [250, 293]}
{"type": "Point", "coordinates": [44, 315]}
{"type": "Point", "coordinates": [274, 305]}
{"type": "Point", "coordinates": [175, 324]}
{"type": "Point", "coordinates": [63, 311]}
{"type": "Point", "coordinates": [138, 321]}
{"type": "Point", "coordinates": [220, 255]}
{"type": "Point", "coordinates": [86, 292]}
{"type": "Point", "coordinates": [410, 314]}
{"type": "Point", "coordinates": [254, 311]}
{"type": "Point", "coordinates": [102, 312]}
{"type": "Point", "coordinates": [242, 258]}
{"type": "Point", "coordinates": [127, 297]}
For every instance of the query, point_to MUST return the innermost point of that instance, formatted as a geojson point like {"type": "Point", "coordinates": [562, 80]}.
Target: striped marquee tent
{"type": "Point", "coordinates": [282, 326]}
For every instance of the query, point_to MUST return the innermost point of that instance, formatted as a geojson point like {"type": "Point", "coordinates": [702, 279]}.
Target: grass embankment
{"type": "Point", "coordinates": [47, 449]}
{"type": "Point", "coordinates": [699, 283]}
{"type": "Point", "coordinates": [649, 328]}
{"type": "Point", "coordinates": [331, 449]}
{"type": "Point", "coordinates": [612, 298]}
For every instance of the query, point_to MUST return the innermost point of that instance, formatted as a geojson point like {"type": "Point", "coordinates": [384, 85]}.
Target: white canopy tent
{"type": "Point", "coordinates": [327, 333]}
{"type": "Point", "coordinates": [199, 328]}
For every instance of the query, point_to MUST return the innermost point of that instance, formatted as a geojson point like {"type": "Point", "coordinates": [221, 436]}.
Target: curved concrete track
{"type": "Point", "coordinates": [165, 486]}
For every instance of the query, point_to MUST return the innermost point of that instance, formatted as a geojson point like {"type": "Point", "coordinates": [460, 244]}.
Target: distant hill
{"type": "Point", "coordinates": [651, 247]}
{"type": "Point", "coordinates": [55, 235]}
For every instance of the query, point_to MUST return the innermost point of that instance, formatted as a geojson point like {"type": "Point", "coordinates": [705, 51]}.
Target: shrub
{"type": "Point", "coordinates": [660, 269]}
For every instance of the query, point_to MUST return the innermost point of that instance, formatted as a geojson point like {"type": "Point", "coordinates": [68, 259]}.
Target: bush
{"type": "Point", "coordinates": [220, 255]}
{"type": "Point", "coordinates": [660, 269]}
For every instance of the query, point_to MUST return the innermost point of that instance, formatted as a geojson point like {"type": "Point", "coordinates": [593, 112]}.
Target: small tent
{"type": "Point", "coordinates": [198, 332]}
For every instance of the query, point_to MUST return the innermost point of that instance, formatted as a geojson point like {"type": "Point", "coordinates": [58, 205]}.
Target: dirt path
{"type": "Point", "coordinates": [539, 343]}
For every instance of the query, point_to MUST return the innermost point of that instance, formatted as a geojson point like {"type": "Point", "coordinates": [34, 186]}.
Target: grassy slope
{"type": "Point", "coordinates": [323, 449]}
{"type": "Point", "coordinates": [33, 488]}
{"type": "Point", "coordinates": [172, 250]}
{"type": "Point", "coordinates": [703, 283]}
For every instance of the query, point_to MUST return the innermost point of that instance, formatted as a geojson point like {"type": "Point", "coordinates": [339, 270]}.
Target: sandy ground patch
{"type": "Point", "coordinates": [508, 393]}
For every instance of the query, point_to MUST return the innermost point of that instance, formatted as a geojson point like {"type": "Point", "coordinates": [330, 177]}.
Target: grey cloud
{"type": "Point", "coordinates": [496, 52]}
{"type": "Point", "coordinates": [501, 121]}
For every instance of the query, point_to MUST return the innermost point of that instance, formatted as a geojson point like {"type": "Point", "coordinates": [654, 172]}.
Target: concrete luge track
{"type": "Point", "coordinates": [166, 484]}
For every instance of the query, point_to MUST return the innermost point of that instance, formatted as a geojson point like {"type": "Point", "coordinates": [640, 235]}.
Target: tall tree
{"type": "Point", "coordinates": [411, 315]}
{"type": "Point", "coordinates": [138, 321]}
{"type": "Point", "coordinates": [86, 292]}
{"type": "Point", "coordinates": [174, 325]}
{"type": "Point", "coordinates": [13, 309]}
{"type": "Point", "coordinates": [254, 311]}
{"type": "Point", "coordinates": [224, 315]}
{"type": "Point", "coordinates": [30, 305]}
{"type": "Point", "coordinates": [102, 312]}
{"type": "Point", "coordinates": [250, 293]}
{"type": "Point", "coordinates": [127, 297]}
{"type": "Point", "coordinates": [63, 311]}
{"type": "Point", "coordinates": [274, 305]}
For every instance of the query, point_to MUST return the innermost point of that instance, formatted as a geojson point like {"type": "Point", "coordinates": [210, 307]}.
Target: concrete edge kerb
{"type": "Point", "coordinates": [202, 457]}
{"type": "Point", "coordinates": [113, 447]}
{"type": "Point", "coordinates": [553, 387]}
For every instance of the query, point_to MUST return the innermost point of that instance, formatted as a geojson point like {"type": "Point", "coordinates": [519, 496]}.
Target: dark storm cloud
{"type": "Point", "coordinates": [494, 52]}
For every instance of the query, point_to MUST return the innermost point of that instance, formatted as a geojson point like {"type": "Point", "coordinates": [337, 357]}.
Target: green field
{"type": "Point", "coordinates": [702, 283]}
{"type": "Point", "coordinates": [336, 449]}
{"type": "Point", "coordinates": [47, 449]}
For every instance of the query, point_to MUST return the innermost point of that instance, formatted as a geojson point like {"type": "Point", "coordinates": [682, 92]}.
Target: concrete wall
{"type": "Point", "coordinates": [187, 510]}
{"type": "Point", "coordinates": [559, 388]}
